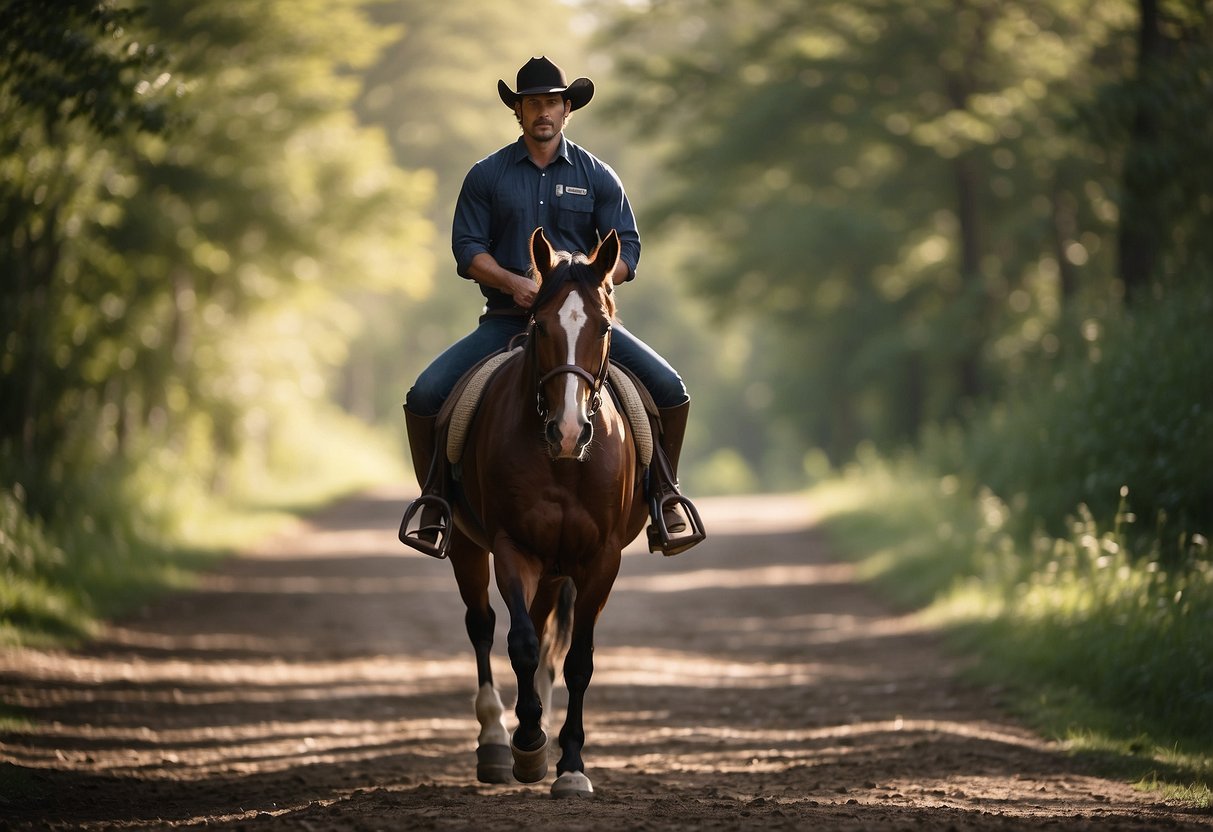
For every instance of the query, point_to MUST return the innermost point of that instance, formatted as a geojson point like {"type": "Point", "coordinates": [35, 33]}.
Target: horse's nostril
{"type": "Point", "coordinates": [553, 433]}
{"type": "Point", "coordinates": [587, 433]}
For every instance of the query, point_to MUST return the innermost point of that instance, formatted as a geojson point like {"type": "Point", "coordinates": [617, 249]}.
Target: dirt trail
{"type": "Point", "coordinates": [324, 682]}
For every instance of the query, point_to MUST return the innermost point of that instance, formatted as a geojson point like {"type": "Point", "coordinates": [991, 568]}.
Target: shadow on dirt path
{"type": "Point", "coordinates": [324, 682]}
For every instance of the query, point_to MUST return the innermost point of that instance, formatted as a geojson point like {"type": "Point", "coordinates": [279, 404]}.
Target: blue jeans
{"type": "Point", "coordinates": [494, 333]}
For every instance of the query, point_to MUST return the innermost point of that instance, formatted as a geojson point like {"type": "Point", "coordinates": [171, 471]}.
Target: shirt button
{"type": "Point", "coordinates": [541, 202]}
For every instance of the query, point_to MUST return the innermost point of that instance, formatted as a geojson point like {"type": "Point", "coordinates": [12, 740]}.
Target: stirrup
{"type": "Point", "coordinates": [659, 534]}
{"type": "Point", "coordinates": [441, 531]}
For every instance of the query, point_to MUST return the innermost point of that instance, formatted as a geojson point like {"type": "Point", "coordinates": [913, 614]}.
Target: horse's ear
{"type": "Point", "coordinates": [541, 253]}
{"type": "Point", "coordinates": [606, 256]}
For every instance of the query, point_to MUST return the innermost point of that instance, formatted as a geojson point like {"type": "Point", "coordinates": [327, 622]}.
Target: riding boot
{"type": "Point", "coordinates": [675, 526]}
{"type": "Point", "coordinates": [432, 530]}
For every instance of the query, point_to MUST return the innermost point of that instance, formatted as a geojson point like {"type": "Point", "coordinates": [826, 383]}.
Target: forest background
{"type": "Point", "coordinates": [947, 262]}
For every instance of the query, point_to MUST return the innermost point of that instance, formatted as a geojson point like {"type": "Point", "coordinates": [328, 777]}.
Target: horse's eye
{"type": "Point", "coordinates": [606, 329]}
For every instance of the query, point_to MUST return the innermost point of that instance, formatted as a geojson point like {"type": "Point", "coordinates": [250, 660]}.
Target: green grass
{"type": "Point", "coordinates": [126, 535]}
{"type": "Point", "coordinates": [1103, 648]}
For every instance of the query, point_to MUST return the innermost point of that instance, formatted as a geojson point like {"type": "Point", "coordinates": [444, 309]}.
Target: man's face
{"type": "Point", "coordinates": [543, 116]}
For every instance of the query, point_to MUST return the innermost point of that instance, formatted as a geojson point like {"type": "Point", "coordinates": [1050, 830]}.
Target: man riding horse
{"type": "Point", "coordinates": [542, 180]}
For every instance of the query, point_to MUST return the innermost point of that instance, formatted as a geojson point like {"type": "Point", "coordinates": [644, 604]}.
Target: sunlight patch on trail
{"type": "Point", "coordinates": [633, 667]}
{"type": "Point", "coordinates": [782, 576]}
{"type": "Point", "coordinates": [402, 671]}
{"type": "Point", "coordinates": [260, 748]}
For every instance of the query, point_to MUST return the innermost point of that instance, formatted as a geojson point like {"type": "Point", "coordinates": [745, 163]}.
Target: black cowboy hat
{"type": "Point", "coordinates": [540, 76]}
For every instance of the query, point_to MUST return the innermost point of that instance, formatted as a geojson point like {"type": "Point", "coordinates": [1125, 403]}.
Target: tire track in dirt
{"type": "Point", "coordinates": [324, 682]}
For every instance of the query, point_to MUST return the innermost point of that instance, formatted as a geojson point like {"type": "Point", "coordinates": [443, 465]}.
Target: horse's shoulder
{"type": "Point", "coordinates": [465, 399]}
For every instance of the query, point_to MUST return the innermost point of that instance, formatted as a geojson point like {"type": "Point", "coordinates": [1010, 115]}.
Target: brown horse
{"type": "Point", "coordinates": [551, 487]}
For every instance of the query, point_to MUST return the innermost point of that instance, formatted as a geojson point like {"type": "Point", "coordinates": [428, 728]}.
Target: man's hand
{"type": "Point", "coordinates": [523, 289]}
{"type": "Point", "coordinates": [484, 269]}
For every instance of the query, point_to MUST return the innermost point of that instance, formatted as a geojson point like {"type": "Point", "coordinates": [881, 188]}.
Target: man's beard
{"type": "Point", "coordinates": [549, 132]}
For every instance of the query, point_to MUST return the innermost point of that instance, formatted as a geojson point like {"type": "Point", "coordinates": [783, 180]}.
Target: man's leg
{"type": "Point", "coordinates": [676, 526]}
{"type": "Point", "coordinates": [673, 429]}
{"type": "Point", "coordinates": [421, 408]}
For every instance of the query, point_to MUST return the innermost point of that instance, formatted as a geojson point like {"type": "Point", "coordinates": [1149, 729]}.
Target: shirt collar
{"type": "Point", "coordinates": [521, 152]}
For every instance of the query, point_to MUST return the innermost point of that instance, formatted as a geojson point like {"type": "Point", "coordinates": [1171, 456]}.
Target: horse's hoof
{"type": "Point", "coordinates": [493, 764]}
{"type": "Point", "coordinates": [572, 784]}
{"type": "Point", "coordinates": [530, 766]}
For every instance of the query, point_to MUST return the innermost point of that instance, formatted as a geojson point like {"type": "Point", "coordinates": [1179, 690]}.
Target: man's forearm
{"type": "Point", "coordinates": [485, 269]}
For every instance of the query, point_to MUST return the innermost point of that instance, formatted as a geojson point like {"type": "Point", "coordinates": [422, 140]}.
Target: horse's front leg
{"type": "Point", "coordinates": [571, 780]}
{"type": "Point", "coordinates": [518, 580]}
{"type": "Point", "coordinates": [471, 565]}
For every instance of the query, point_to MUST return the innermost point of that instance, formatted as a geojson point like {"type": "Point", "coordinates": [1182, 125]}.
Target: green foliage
{"type": "Point", "coordinates": [920, 533]}
{"type": "Point", "coordinates": [1097, 616]}
{"type": "Point", "coordinates": [26, 554]}
{"type": "Point", "coordinates": [1130, 407]}
{"type": "Point", "coordinates": [1099, 643]}
{"type": "Point", "coordinates": [57, 583]}
{"type": "Point", "coordinates": [75, 59]}
{"type": "Point", "coordinates": [894, 188]}
{"type": "Point", "coordinates": [182, 289]}
{"type": "Point", "coordinates": [1157, 122]}
{"type": "Point", "coordinates": [432, 91]}
{"type": "Point", "coordinates": [137, 527]}
{"type": "Point", "coordinates": [1122, 624]}
{"type": "Point", "coordinates": [67, 86]}
{"type": "Point", "coordinates": [189, 211]}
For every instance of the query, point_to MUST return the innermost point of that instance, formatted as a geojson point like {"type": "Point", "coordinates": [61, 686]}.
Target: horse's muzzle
{"type": "Point", "coordinates": [562, 446]}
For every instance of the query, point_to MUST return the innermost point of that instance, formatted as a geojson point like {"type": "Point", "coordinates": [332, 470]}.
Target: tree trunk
{"type": "Point", "coordinates": [973, 326]}
{"type": "Point", "coordinates": [960, 84]}
{"type": "Point", "coordinates": [1065, 229]}
{"type": "Point", "coordinates": [1140, 229]}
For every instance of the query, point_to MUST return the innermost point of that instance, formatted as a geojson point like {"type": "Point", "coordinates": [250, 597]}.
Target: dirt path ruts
{"type": "Point", "coordinates": [324, 682]}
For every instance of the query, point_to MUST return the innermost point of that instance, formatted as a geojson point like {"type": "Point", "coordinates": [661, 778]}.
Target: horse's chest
{"type": "Point", "coordinates": [556, 525]}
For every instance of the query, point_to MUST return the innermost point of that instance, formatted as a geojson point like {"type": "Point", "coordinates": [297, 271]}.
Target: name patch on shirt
{"type": "Point", "coordinates": [569, 189]}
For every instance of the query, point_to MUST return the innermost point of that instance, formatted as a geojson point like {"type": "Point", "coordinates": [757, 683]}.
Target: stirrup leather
{"type": "Point", "coordinates": [659, 534]}
{"type": "Point", "coordinates": [441, 531]}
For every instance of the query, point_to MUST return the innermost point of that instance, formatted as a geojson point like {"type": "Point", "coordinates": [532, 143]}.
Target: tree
{"type": "Point", "coordinates": [432, 91]}
{"type": "Point", "coordinates": [190, 284]}
{"type": "Point", "coordinates": [76, 84]}
{"type": "Point", "coordinates": [1165, 209]}
{"type": "Point", "coordinates": [879, 181]}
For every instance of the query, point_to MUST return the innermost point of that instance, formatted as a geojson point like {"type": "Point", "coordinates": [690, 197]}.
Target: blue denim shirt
{"type": "Point", "coordinates": [577, 200]}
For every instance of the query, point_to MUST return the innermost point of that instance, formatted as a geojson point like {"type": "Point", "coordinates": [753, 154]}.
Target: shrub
{"type": "Point", "coordinates": [1136, 410]}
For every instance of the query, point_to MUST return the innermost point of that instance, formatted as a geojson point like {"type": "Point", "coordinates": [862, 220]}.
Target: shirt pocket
{"type": "Point", "coordinates": [575, 216]}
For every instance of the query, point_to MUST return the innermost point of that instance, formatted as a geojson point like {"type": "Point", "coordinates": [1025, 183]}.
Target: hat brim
{"type": "Point", "coordinates": [578, 93]}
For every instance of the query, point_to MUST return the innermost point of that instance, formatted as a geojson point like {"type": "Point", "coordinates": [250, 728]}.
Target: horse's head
{"type": "Point", "coordinates": [570, 339]}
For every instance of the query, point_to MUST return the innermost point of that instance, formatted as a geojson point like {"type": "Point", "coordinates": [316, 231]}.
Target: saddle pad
{"type": "Point", "coordinates": [469, 400]}
{"type": "Point", "coordinates": [633, 408]}
{"type": "Point", "coordinates": [465, 408]}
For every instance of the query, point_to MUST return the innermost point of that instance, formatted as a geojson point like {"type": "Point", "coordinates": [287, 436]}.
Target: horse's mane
{"type": "Point", "coordinates": [573, 267]}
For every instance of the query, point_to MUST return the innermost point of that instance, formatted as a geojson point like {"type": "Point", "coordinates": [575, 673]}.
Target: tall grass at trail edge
{"type": "Point", "coordinates": [1129, 403]}
{"type": "Point", "coordinates": [134, 529]}
{"type": "Point", "coordinates": [1061, 538]}
{"type": "Point", "coordinates": [1098, 646]}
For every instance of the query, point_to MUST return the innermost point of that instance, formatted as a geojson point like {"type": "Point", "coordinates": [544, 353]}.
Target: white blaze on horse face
{"type": "Point", "coordinates": [573, 319]}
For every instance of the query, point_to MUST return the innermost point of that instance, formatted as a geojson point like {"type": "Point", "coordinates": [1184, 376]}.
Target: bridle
{"type": "Point", "coordinates": [594, 382]}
